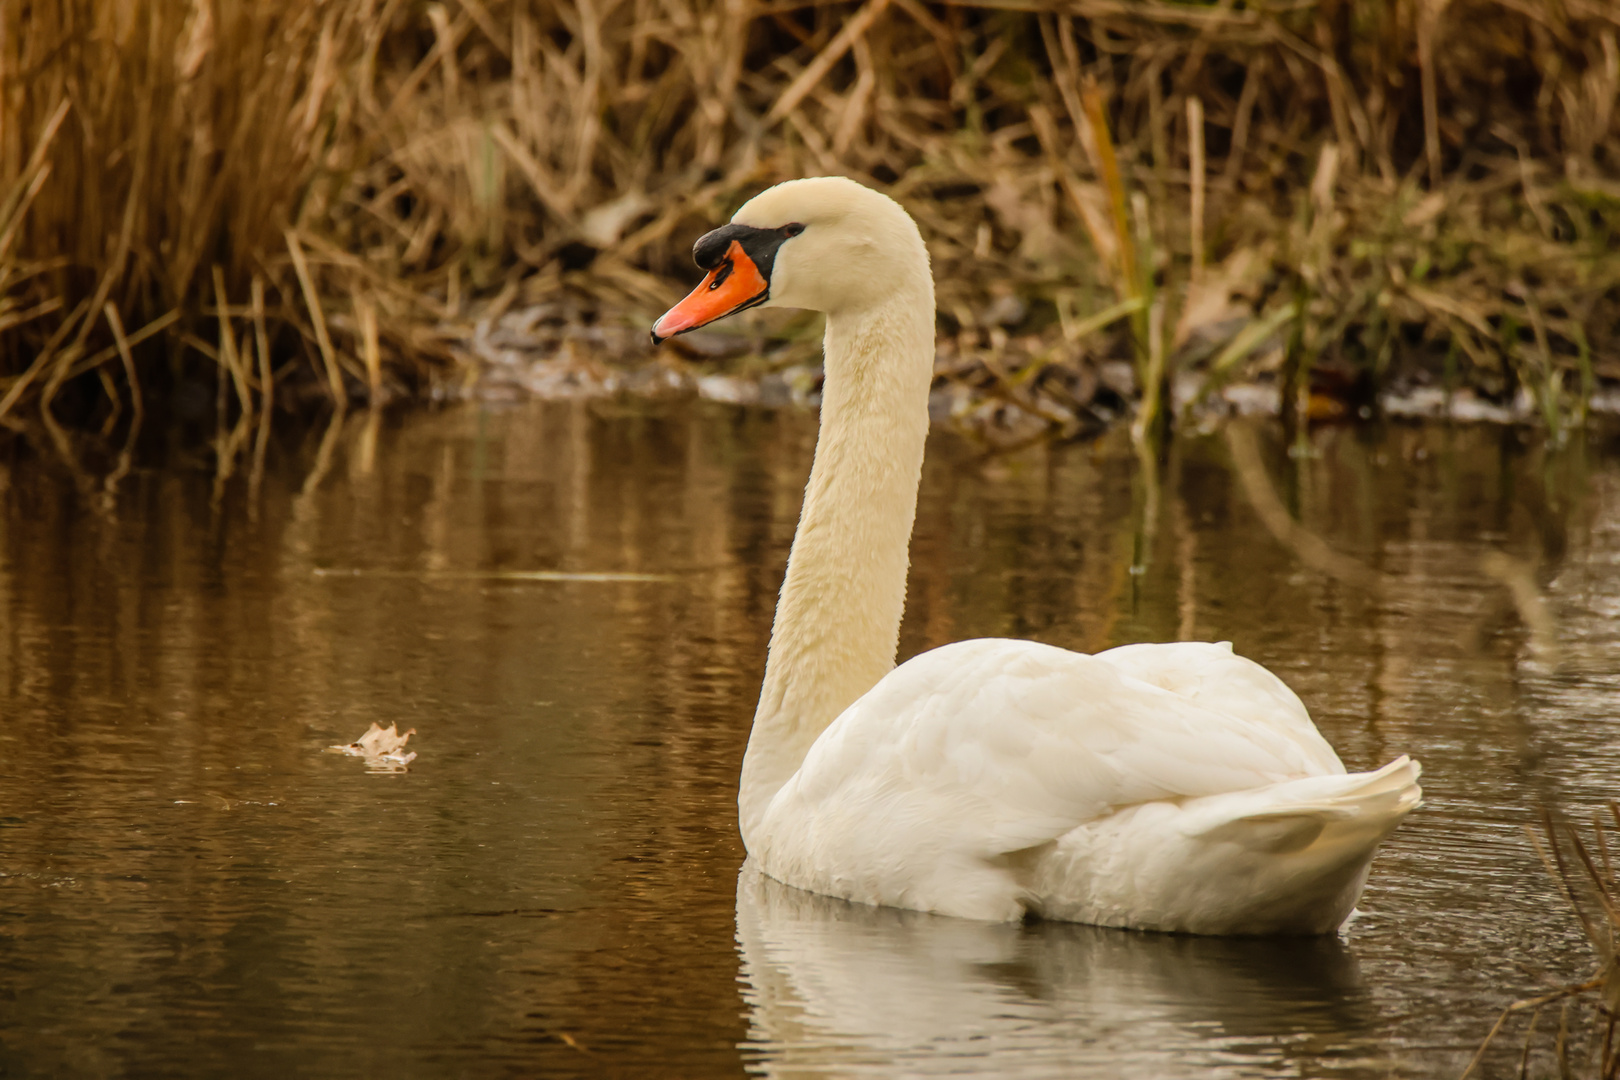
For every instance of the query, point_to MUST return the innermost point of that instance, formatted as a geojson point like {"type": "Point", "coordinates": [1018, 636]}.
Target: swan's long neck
{"type": "Point", "coordinates": [838, 619]}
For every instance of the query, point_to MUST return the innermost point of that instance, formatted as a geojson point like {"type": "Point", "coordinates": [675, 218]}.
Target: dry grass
{"type": "Point", "coordinates": [1347, 193]}
{"type": "Point", "coordinates": [1584, 1043]}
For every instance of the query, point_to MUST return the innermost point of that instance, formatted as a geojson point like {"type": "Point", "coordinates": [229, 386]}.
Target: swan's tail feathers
{"type": "Point", "coordinates": [1287, 858]}
{"type": "Point", "coordinates": [1355, 811]}
{"type": "Point", "coordinates": [1302, 848]}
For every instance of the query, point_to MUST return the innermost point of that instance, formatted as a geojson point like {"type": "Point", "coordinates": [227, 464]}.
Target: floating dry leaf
{"type": "Point", "coordinates": [383, 749]}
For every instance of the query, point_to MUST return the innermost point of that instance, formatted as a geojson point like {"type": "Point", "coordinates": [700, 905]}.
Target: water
{"type": "Point", "coordinates": [191, 885]}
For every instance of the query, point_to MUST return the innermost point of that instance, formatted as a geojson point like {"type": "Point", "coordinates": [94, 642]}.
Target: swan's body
{"type": "Point", "coordinates": [1169, 787]}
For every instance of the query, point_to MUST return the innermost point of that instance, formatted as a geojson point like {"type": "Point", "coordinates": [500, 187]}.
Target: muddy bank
{"type": "Point", "coordinates": [1007, 395]}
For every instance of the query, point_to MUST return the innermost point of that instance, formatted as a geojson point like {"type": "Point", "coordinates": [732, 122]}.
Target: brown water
{"type": "Point", "coordinates": [190, 886]}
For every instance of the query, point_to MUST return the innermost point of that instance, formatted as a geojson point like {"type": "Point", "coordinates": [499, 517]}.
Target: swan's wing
{"type": "Point", "coordinates": [1212, 675]}
{"type": "Point", "coordinates": [989, 746]}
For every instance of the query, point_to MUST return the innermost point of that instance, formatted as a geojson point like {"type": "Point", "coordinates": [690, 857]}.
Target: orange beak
{"type": "Point", "coordinates": [733, 285]}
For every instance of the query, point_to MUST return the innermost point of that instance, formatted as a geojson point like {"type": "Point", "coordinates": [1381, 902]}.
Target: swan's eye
{"type": "Point", "coordinates": [791, 230]}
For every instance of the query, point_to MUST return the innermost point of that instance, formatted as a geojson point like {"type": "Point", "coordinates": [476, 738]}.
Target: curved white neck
{"type": "Point", "coordinates": [838, 619]}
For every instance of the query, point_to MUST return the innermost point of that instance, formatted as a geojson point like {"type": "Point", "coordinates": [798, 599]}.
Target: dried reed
{"type": "Point", "coordinates": [1413, 190]}
{"type": "Point", "coordinates": [1586, 877]}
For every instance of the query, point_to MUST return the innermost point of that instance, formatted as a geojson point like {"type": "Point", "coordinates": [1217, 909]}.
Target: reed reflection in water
{"type": "Point", "coordinates": [571, 604]}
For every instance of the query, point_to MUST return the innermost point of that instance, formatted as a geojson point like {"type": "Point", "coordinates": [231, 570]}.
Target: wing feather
{"type": "Point", "coordinates": [991, 745]}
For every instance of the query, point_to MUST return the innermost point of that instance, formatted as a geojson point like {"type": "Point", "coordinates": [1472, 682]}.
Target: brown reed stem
{"type": "Point", "coordinates": [312, 302]}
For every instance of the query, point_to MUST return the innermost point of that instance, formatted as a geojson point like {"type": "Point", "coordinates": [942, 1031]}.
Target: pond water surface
{"type": "Point", "coordinates": [191, 885]}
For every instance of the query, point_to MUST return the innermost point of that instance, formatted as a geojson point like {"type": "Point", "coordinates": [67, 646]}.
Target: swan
{"type": "Point", "coordinates": [1174, 787]}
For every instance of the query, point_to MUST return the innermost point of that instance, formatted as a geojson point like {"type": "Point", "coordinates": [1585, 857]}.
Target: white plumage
{"type": "Point", "coordinates": [1166, 787]}
{"type": "Point", "coordinates": [1157, 786]}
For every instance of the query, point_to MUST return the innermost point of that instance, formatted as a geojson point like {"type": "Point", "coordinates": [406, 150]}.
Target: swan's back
{"type": "Point", "coordinates": [1215, 677]}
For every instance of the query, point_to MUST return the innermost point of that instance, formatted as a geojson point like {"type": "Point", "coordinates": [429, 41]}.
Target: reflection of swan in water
{"type": "Point", "coordinates": [840, 989]}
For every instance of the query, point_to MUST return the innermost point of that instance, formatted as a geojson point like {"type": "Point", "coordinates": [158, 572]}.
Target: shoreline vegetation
{"type": "Point", "coordinates": [1588, 1010]}
{"type": "Point", "coordinates": [224, 211]}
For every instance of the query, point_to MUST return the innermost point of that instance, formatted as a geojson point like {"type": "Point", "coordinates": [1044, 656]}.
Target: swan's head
{"type": "Point", "coordinates": [824, 243]}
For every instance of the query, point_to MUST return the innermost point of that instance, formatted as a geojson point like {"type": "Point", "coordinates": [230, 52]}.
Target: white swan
{"type": "Point", "coordinates": [1165, 787]}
